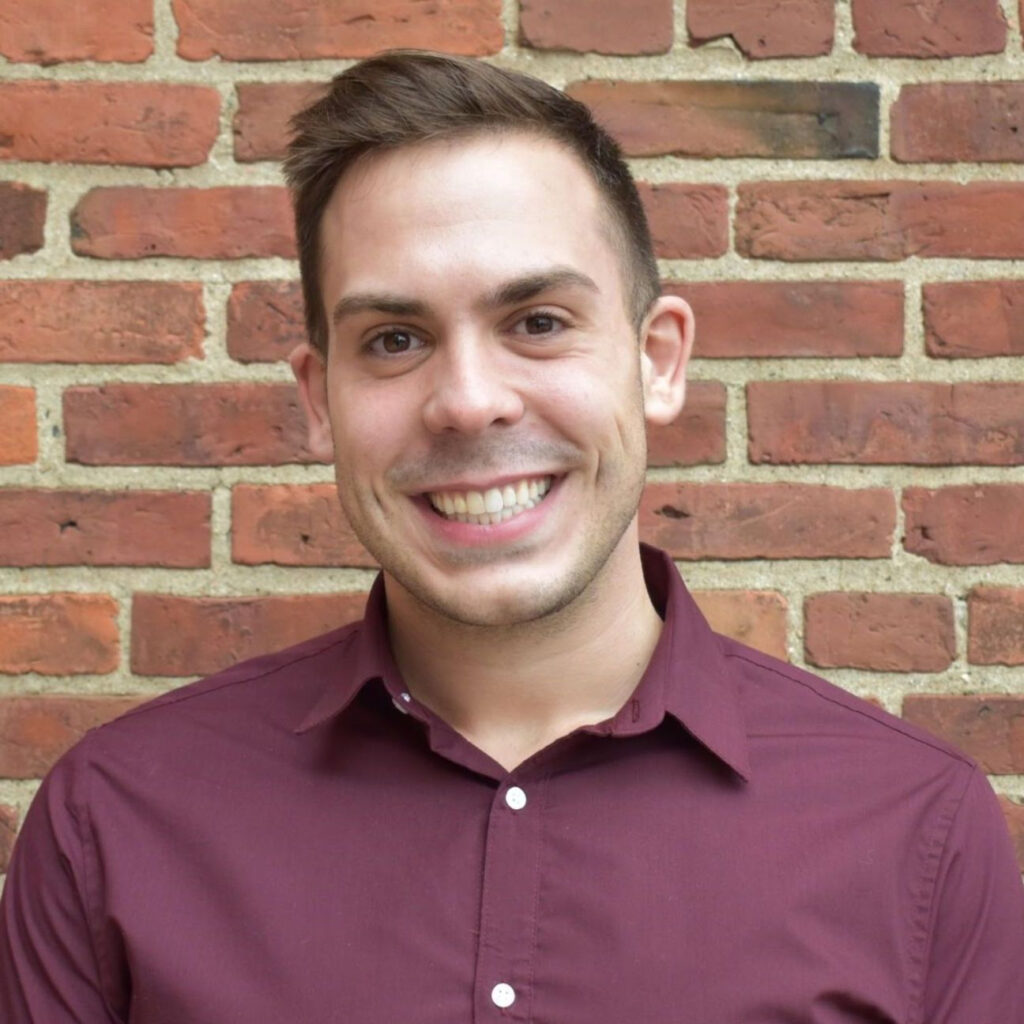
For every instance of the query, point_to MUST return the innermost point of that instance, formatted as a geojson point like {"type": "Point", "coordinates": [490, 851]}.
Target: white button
{"type": "Point", "coordinates": [399, 706]}
{"type": "Point", "coordinates": [406, 697]}
{"type": "Point", "coordinates": [503, 995]}
{"type": "Point", "coordinates": [515, 798]}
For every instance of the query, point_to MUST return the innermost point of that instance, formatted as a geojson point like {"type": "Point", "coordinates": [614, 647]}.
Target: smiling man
{"type": "Point", "coordinates": [532, 784]}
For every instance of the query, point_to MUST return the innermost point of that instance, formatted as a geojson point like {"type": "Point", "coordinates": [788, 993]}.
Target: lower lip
{"type": "Point", "coordinates": [478, 535]}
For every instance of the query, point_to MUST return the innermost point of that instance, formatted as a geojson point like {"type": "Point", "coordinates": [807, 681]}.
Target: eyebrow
{"type": "Point", "coordinates": [518, 289]}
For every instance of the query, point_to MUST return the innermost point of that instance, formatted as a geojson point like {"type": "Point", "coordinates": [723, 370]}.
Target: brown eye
{"type": "Point", "coordinates": [394, 343]}
{"type": "Point", "coordinates": [539, 323]}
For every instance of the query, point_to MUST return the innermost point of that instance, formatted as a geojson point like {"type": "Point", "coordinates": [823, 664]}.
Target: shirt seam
{"type": "Point", "coordinates": [950, 752]}
{"type": "Point", "coordinates": [923, 929]}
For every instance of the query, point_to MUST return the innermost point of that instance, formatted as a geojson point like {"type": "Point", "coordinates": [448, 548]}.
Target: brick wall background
{"type": "Point", "coordinates": [835, 186]}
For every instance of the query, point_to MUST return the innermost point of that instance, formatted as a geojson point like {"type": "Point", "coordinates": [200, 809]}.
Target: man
{"type": "Point", "coordinates": [532, 784]}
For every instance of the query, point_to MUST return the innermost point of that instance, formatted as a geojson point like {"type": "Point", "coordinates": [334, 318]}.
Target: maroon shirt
{"type": "Point", "coordinates": [295, 841]}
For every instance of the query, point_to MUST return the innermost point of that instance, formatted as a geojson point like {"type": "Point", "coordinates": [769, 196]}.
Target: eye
{"type": "Point", "coordinates": [538, 324]}
{"type": "Point", "coordinates": [394, 342]}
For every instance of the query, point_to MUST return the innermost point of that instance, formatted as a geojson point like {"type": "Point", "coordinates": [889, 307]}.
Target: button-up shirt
{"type": "Point", "coordinates": [296, 839]}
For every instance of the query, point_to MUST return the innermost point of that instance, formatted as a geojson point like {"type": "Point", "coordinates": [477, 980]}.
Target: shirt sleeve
{"type": "Point", "coordinates": [48, 966]}
{"type": "Point", "coordinates": [976, 963]}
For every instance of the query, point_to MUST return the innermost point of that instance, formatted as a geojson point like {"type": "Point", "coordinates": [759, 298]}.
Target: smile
{"type": "Point", "coordinates": [495, 505]}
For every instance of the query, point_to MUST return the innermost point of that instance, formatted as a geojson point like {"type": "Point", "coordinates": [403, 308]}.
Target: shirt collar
{"type": "Point", "coordinates": [688, 676]}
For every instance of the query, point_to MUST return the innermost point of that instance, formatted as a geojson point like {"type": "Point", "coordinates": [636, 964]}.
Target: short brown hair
{"type": "Point", "coordinates": [402, 97]}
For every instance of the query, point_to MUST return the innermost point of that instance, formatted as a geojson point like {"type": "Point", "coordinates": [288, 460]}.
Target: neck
{"type": "Point", "coordinates": [512, 690]}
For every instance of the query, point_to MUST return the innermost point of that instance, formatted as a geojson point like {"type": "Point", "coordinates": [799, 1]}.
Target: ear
{"type": "Point", "coordinates": [667, 341]}
{"type": "Point", "coordinates": [310, 369]}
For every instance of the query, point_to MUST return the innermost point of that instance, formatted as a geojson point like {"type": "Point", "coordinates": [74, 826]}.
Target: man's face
{"type": "Point", "coordinates": [483, 392]}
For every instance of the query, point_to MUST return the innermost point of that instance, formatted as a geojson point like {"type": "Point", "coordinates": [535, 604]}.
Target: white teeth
{"type": "Point", "coordinates": [495, 505]}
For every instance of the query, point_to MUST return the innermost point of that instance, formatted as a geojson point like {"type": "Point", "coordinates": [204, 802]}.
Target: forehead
{"type": "Point", "coordinates": [484, 206]}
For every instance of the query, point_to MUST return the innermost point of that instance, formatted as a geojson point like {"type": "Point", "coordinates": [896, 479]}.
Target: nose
{"type": "Point", "coordinates": [471, 388]}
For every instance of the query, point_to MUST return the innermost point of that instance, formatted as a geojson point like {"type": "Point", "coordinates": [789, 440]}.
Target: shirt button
{"type": "Point", "coordinates": [404, 711]}
{"type": "Point", "coordinates": [515, 798]}
{"type": "Point", "coordinates": [503, 996]}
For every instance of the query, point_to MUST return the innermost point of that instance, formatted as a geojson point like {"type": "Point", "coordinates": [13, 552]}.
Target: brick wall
{"type": "Point", "coordinates": [836, 187]}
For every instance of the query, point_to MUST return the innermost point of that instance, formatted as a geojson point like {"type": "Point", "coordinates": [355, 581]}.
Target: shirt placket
{"type": "Point", "coordinates": [503, 987]}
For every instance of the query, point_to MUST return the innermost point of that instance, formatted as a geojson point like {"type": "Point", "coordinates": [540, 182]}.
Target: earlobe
{"type": "Point", "coordinates": [667, 343]}
{"type": "Point", "coordinates": [310, 369]}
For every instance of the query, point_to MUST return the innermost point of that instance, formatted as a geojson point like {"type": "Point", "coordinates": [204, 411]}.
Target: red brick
{"type": "Point", "coordinates": [185, 636]}
{"type": "Point", "coordinates": [18, 440]}
{"type": "Point", "coordinates": [100, 321]}
{"type": "Point", "coordinates": [229, 222]}
{"type": "Point", "coordinates": [995, 629]}
{"type": "Point", "coordinates": [8, 831]}
{"type": "Point", "coordinates": [880, 220]}
{"type": "Point", "coordinates": [303, 29]}
{"type": "Point", "coordinates": [973, 319]}
{"type": "Point", "coordinates": [265, 320]}
{"type": "Point", "coordinates": [264, 111]}
{"type": "Point", "coordinates": [697, 435]}
{"type": "Point", "coordinates": [141, 123]}
{"type": "Point", "coordinates": [292, 524]}
{"type": "Point", "coordinates": [928, 28]}
{"type": "Point", "coordinates": [742, 521]}
{"type": "Point", "coordinates": [170, 529]}
{"type": "Point", "coordinates": [51, 31]}
{"type": "Point", "coordinates": [1014, 814]}
{"type": "Point", "coordinates": [743, 319]}
{"type": "Point", "coordinates": [811, 120]}
{"type": "Point", "coordinates": [185, 425]}
{"type": "Point", "coordinates": [688, 222]}
{"type": "Point", "coordinates": [879, 632]}
{"type": "Point", "coordinates": [35, 731]}
{"type": "Point", "coordinates": [943, 122]}
{"type": "Point", "coordinates": [885, 423]}
{"type": "Point", "coordinates": [989, 728]}
{"type": "Point", "coordinates": [58, 634]}
{"type": "Point", "coordinates": [22, 218]}
{"type": "Point", "coordinates": [765, 28]}
{"type": "Point", "coordinates": [756, 618]}
{"type": "Point", "coordinates": [612, 26]}
{"type": "Point", "coordinates": [976, 524]}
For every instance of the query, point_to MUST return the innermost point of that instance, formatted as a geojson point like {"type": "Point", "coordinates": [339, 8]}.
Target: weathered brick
{"type": "Point", "coordinates": [698, 433]}
{"type": "Point", "coordinates": [928, 28]}
{"type": "Point", "coordinates": [229, 222]}
{"type": "Point", "coordinates": [765, 28]}
{"type": "Point", "coordinates": [18, 439]}
{"type": "Point", "coordinates": [740, 521]}
{"type": "Point", "coordinates": [184, 636]}
{"type": "Point", "coordinates": [147, 124]}
{"type": "Point", "coordinates": [303, 29]}
{"type": "Point", "coordinates": [22, 218]}
{"type": "Point", "coordinates": [292, 524]}
{"type": "Point", "coordinates": [995, 628]}
{"type": "Point", "coordinates": [880, 220]}
{"type": "Point", "coordinates": [989, 728]}
{"type": "Point", "coordinates": [879, 632]}
{"type": "Point", "coordinates": [1014, 814]}
{"type": "Point", "coordinates": [884, 423]}
{"type": "Point", "coordinates": [744, 319]}
{"type": "Point", "coordinates": [51, 31]}
{"type": "Point", "coordinates": [58, 634]}
{"type": "Point", "coordinates": [240, 424]}
{"type": "Point", "coordinates": [808, 120]}
{"type": "Point", "coordinates": [35, 731]}
{"type": "Point", "coordinates": [265, 320]}
{"type": "Point", "coordinates": [100, 321]}
{"type": "Point", "coordinates": [50, 527]}
{"type": "Point", "coordinates": [687, 221]}
{"type": "Point", "coordinates": [264, 111]}
{"type": "Point", "coordinates": [8, 831]}
{"type": "Point", "coordinates": [612, 26]}
{"type": "Point", "coordinates": [975, 524]}
{"type": "Point", "coordinates": [756, 618]}
{"type": "Point", "coordinates": [944, 122]}
{"type": "Point", "coordinates": [972, 319]}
